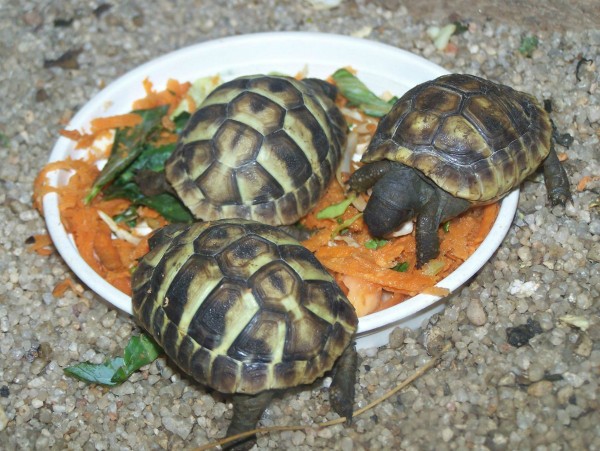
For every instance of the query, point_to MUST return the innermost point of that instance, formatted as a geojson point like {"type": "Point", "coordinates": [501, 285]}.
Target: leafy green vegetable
{"type": "Point", "coordinates": [169, 206]}
{"type": "Point", "coordinates": [140, 351]}
{"type": "Point", "coordinates": [128, 144]}
{"type": "Point", "coordinates": [528, 45]}
{"type": "Point", "coordinates": [400, 267]}
{"type": "Point", "coordinates": [344, 225]}
{"type": "Point", "coordinates": [124, 186]}
{"type": "Point", "coordinates": [375, 243]}
{"type": "Point", "coordinates": [335, 210]}
{"type": "Point", "coordinates": [359, 95]}
{"type": "Point", "coordinates": [461, 27]}
{"type": "Point", "coordinates": [446, 226]}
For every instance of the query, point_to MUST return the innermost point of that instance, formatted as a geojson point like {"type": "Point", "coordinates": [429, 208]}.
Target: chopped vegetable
{"type": "Point", "coordinates": [528, 45]}
{"type": "Point", "coordinates": [131, 198]}
{"type": "Point", "coordinates": [41, 245]}
{"type": "Point", "coordinates": [585, 181]}
{"type": "Point", "coordinates": [400, 267]}
{"type": "Point", "coordinates": [461, 27]}
{"type": "Point", "coordinates": [335, 210]}
{"type": "Point", "coordinates": [441, 35]}
{"type": "Point", "coordinates": [433, 267]}
{"type": "Point", "coordinates": [128, 144]}
{"type": "Point", "coordinates": [359, 95]}
{"type": "Point", "coordinates": [141, 350]}
{"type": "Point", "coordinates": [375, 243]}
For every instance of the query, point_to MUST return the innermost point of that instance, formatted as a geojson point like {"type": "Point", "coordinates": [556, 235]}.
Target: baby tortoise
{"type": "Point", "coordinates": [245, 309]}
{"type": "Point", "coordinates": [259, 147]}
{"type": "Point", "coordinates": [449, 144]}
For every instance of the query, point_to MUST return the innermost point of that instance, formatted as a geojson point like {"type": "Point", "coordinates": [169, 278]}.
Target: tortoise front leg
{"type": "Point", "coordinates": [366, 176]}
{"type": "Point", "coordinates": [440, 206]}
{"type": "Point", "coordinates": [341, 391]}
{"type": "Point", "coordinates": [557, 182]}
{"type": "Point", "coordinates": [247, 410]}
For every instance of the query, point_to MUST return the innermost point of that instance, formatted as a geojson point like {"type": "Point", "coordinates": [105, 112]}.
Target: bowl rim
{"type": "Point", "coordinates": [300, 40]}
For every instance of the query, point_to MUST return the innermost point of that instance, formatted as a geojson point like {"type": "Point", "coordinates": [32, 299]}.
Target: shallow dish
{"type": "Point", "coordinates": [381, 67]}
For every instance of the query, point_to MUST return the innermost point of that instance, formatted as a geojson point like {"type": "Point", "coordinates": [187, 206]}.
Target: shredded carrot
{"type": "Point", "coordinates": [585, 181]}
{"type": "Point", "coordinates": [374, 279]}
{"type": "Point", "coordinates": [118, 121]}
{"type": "Point", "coordinates": [67, 284]}
{"type": "Point", "coordinates": [172, 95]}
{"type": "Point", "coordinates": [361, 270]}
{"type": "Point", "coordinates": [42, 244]}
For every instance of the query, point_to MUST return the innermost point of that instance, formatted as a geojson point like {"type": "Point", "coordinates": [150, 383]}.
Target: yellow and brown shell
{"type": "Point", "coordinates": [259, 147]}
{"type": "Point", "coordinates": [474, 138]}
{"type": "Point", "coordinates": [241, 306]}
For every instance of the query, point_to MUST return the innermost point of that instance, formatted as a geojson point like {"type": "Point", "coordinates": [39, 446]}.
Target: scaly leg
{"type": "Point", "coordinates": [341, 391]}
{"type": "Point", "coordinates": [247, 410]}
{"type": "Point", "coordinates": [557, 182]}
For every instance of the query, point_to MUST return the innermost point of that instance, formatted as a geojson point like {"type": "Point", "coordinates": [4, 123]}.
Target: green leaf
{"type": "Point", "coordinates": [359, 95]}
{"type": "Point", "coordinates": [140, 351]}
{"type": "Point", "coordinates": [129, 142]}
{"type": "Point", "coordinates": [528, 45]}
{"type": "Point", "coordinates": [344, 225]}
{"type": "Point", "coordinates": [169, 206]}
{"type": "Point", "coordinates": [93, 373]}
{"type": "Point", "coordinates": [400, 267]}
{"type": "Point", "coordinates": [375, 243]}
{"type": "Point", "coordinates": [446, 226]}
{"type": "Point", "coordinates": [461, 27]}
{"type": "Point", "coordinates": [335, 210]}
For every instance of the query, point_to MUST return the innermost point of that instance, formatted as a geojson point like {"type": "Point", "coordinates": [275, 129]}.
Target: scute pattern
{"type": "Point", "coordinates": [241, 306]}
{"type": "Point", "coordinates": [259, 147]}
{"type": "Point", "coordinates": [474, 138]}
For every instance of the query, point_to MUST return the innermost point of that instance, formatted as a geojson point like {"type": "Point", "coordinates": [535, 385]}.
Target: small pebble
{"type": "Point", "coordinates": [485, 393]}
{"type": "Point", "coordinates": [539, 389]}
{"type": "Point", "coordinates": [476, 313]}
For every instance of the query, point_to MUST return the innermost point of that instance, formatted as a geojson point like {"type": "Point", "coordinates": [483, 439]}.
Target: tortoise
{"type": "Point", "coordinates": [261, 147]}
{"type": "Point", "coordinates": [449, 144]}
{"type": "Point", "coordinates": [246, 310]}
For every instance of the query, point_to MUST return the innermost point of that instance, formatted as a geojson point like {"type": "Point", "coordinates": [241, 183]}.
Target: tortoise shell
{"type": "Point", "coordinates": [241, 306]}
{"type": "Point", "coordinates": [259, 147]}
{"type": "Point", "coordinates": [474, 138]}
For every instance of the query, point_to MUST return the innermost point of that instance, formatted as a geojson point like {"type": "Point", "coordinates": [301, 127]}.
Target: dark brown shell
{"type": "Point", "coordinates": [259, 147]}
{"type": "Point", "coordinates": [241, 306]}
{"type": "Point", "coordinates": [474, 138]}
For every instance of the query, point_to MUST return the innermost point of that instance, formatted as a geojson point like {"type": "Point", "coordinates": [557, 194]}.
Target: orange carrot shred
{"type": "Point", "coordinates": [585, 181]}
{"type": "Point", "coordinates": [118, 121]}
{"type": "Point", "coordinates": [376, 278]}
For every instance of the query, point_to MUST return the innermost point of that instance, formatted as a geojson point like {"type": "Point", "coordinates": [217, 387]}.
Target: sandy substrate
{"type": "Point", "coordinates": [484, 394]}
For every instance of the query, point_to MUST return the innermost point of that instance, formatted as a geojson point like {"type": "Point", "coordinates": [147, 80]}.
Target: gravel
{"type": "Point", "coordinates": [484, 394]}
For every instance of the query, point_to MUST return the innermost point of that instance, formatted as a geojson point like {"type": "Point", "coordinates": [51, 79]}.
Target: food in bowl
{"type": "Point", "coordinates": [110, 220]}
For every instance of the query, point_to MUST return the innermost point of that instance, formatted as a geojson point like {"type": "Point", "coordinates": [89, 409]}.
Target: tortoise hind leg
{"type": "Point", "coordinates": [341, 391]}
{"type": "Point", "coordinates": [247, 410]}
{"type": "Point", "coordinates": [557, 182]}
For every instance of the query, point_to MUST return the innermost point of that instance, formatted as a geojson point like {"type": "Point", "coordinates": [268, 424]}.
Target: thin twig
{"type": "Point", "coordinates": [422, 370]}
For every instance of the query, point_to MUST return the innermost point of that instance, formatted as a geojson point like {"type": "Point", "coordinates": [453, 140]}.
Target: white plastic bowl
{"type": "Point", "coordinates": [381, 67]}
